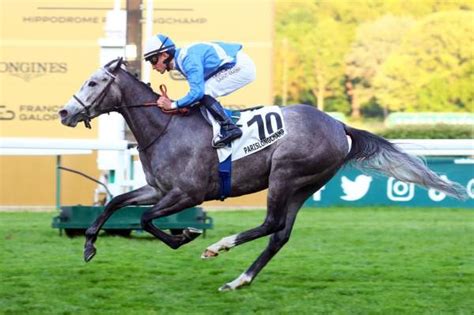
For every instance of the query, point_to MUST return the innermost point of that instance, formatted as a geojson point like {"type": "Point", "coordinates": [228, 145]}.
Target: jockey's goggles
{"type": "Point", "coordinates": [153, 59]}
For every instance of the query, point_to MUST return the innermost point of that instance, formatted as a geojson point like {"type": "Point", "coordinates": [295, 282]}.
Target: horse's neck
{"type": "Point", "coordinates": [146, 123]}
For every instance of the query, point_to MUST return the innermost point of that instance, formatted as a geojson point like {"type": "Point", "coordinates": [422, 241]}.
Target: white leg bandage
{"type": "Point", "coordinates": [225, 243]}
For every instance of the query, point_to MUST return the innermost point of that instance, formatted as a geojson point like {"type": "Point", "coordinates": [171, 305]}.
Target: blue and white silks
{"type": "Point", "coordinates": [200, 61]}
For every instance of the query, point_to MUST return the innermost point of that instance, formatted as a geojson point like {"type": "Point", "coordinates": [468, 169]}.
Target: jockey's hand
{"type": "Point", "coordinates": [164, 103]}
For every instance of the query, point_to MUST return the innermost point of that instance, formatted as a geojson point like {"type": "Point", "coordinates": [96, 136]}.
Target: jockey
{"type": "Point", "coordinates": [212, 69]}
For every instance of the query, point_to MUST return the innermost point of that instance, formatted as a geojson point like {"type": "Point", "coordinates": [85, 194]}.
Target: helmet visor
{"type": "Point", "coordinates": [165, 45]}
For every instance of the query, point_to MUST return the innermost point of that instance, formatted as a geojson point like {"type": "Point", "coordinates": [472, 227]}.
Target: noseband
{"type": "Point", "coordinates": [86, 113]}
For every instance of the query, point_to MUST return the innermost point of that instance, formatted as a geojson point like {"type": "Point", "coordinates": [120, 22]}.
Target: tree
{"type": "Point", "coordinates": [432, 69]}
{"type": "Point", "coordinates": [323, 49]}
{"type": "Point", "coordinates": [309, 53]}
{"type": "Point", "coordinates": [292, 20]}
{"type": "Point", "coordinates": [313, 37]}
{"type": "Point", "coordinates": [374, 42]}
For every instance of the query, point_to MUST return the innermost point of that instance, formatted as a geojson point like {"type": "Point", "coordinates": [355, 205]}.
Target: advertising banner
{"type": "Point", "coordinates": [48, 48]}
{"type": "Point", "coordinates": [351, 187]}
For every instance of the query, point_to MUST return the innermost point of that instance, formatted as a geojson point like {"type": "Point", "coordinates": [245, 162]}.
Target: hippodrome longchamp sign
{"type": "Point", "coordinates": [49, 47]}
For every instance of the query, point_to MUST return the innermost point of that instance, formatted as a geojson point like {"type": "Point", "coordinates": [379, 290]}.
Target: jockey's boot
{"type": "Point", "coordinates": [229, 131]}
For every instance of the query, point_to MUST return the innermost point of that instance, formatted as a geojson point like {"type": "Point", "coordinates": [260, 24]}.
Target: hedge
{"type": "Point", "coordinates": [437, 131]}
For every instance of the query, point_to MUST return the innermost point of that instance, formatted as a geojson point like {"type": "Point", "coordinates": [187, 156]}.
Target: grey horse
{"type": "Point", "coordinates": [181, 167]}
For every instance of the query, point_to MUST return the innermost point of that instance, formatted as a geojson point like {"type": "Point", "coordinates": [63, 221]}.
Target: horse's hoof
{"type": "Point", "coordinates": [89, 253]}
{"type": "Point", "coordinates": [191, 233]}
{"type": "Point", "coordinates": [229, 287]}
{"type": "Point", "coordinates": [226, 288]}
{"type": "Point", "coordinates": [209, 254]}
{"type": "Point", "coordinates": [242, 281]}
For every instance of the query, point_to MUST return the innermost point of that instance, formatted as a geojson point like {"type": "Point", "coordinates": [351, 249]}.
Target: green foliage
{"type": "Point", "coordinates": [337, 103]}
{"type": "Point", "coordinates": [293, 20]}
{"type": "Point", "coordinates": [454, 94]}
{"type": "Point", "coordinates": [372, 109]}
{"type": "Point", "coordinates": [380, 55]}
{"type": "Point", "coordinates": [322, 56]}
{"type": "Point", "coordinates": [432, 65]}
{"type": "Point", "coordinates": [438, 131]}
{"type": "Point", "coordinates": [338, 261]}
{"type": "Point", "coordinates": [310, 56]}
{"type": "Point", "coordinates": [374, 43]}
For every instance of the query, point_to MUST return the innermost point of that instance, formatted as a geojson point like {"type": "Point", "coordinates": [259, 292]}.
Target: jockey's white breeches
{"type": "Point", "coordinates": [229, 80]}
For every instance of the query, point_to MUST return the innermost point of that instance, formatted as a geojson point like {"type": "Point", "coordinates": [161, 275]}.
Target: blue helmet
{"type": "Point", "coordinates": [158, 44]}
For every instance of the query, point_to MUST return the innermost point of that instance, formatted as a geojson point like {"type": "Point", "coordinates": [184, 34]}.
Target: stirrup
{"type": "Point", "coordinates": [218, 144]}
{"type": "Point", "coordinates": [221, 142]}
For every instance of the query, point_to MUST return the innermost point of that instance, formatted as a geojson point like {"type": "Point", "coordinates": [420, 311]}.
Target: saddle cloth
{"type": "Point", "coordinates": [261, 128]}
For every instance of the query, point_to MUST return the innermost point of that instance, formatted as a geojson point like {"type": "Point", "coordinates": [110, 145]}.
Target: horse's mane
{"type": "Point", "coordinates": [133, 76]}
{"type": "Point", "coordinates": [147, 86]}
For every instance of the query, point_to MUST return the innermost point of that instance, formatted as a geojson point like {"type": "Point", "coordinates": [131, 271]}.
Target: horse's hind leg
{"type": "Point", "coordinates": [278, 193]}
{"type": "Point", "coordinates": [142, 196]}
{"type": "Point", "coordinates": [277, 241]}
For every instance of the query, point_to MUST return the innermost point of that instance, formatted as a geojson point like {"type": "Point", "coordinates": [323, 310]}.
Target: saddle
{"type": "Point", "coordinates": [232, 114]}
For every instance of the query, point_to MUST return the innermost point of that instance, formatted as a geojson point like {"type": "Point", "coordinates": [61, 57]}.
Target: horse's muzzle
{"type": "Point", "coordinates": [63, 113]}
{"type": "Point", "coordinates": [67, 118]}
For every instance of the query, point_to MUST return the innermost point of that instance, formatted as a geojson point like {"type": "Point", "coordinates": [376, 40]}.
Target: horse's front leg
{"type": "Point", "coordinates": [145, 195]}
{"type": "Point", "coordinates": [173, 202]}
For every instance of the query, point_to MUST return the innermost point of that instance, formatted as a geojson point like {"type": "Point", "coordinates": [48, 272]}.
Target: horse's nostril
{"type": "Point", "coordinates": [63, 113]}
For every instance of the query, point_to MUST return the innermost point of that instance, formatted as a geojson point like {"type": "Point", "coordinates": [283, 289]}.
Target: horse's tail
{"type": "Point", "coordinates": [371, 152]}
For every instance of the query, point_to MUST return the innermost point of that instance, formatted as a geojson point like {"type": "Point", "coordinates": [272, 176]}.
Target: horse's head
{"type": "Point", "coordinates": [99, 94]}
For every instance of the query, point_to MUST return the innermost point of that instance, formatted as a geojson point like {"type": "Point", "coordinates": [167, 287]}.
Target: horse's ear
{"type": "Point", "coordinates": [119, 63]}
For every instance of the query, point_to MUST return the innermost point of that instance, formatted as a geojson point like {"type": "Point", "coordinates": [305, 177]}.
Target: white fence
{"type": "Point", "coordinates": [129, 177]}
{"type": "Point", "coordinates": [47, 146]}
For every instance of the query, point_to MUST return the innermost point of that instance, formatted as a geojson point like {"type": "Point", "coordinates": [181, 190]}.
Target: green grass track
{"type": "Point", "coordinates": [338, 261]}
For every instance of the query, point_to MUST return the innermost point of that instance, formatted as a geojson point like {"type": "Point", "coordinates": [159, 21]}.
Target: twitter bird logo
{"type": "Point", "coordinates": [355, 190]}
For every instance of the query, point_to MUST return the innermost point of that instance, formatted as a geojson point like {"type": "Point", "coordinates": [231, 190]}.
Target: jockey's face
{"type": "Point", "coordinates": [160, 65]}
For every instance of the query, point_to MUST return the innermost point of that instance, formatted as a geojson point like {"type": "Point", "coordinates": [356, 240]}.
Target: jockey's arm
{"type": "Point", "coordinates": [194, 71]}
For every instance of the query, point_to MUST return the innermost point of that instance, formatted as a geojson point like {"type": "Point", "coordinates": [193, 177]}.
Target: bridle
{"type": "Point", "coordinates": [100, 97]}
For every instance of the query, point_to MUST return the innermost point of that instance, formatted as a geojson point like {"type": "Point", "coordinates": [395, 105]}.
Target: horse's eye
{"type": "Point", "coordinates": [92, 83]}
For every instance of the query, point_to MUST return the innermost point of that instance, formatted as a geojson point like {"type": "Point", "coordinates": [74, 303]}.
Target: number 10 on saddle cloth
{"type": "Point", "coordinates": [261, 128]}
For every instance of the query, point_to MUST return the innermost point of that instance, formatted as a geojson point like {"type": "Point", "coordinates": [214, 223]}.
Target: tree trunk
{"type": "Point", "coordinates": [319, 92]}
{"type": "Point", "coordinates": [320, 100]}
{"type": "Point", "coordinates": [355, 106]}
{"type": "Point", "coordinates": [319, 95]}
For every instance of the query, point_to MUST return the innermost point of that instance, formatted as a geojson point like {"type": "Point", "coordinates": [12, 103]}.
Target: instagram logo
{"type": "Point", "coordinates": [437, 195]}
{"type": "Point", "coordinates": [399, 191]}
{"type": "Point", "coordinates": [470, 188]}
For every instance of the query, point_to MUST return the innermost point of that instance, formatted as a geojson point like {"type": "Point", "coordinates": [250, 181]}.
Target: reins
{"type": "Point", "coordinates": [171, 112]}
{"type": "Point", "coordinates": [87, 116]}
{"type": "Point", "coordinates": [142, 149]}
{"type": "Point", "coordinates": [163, 90]}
